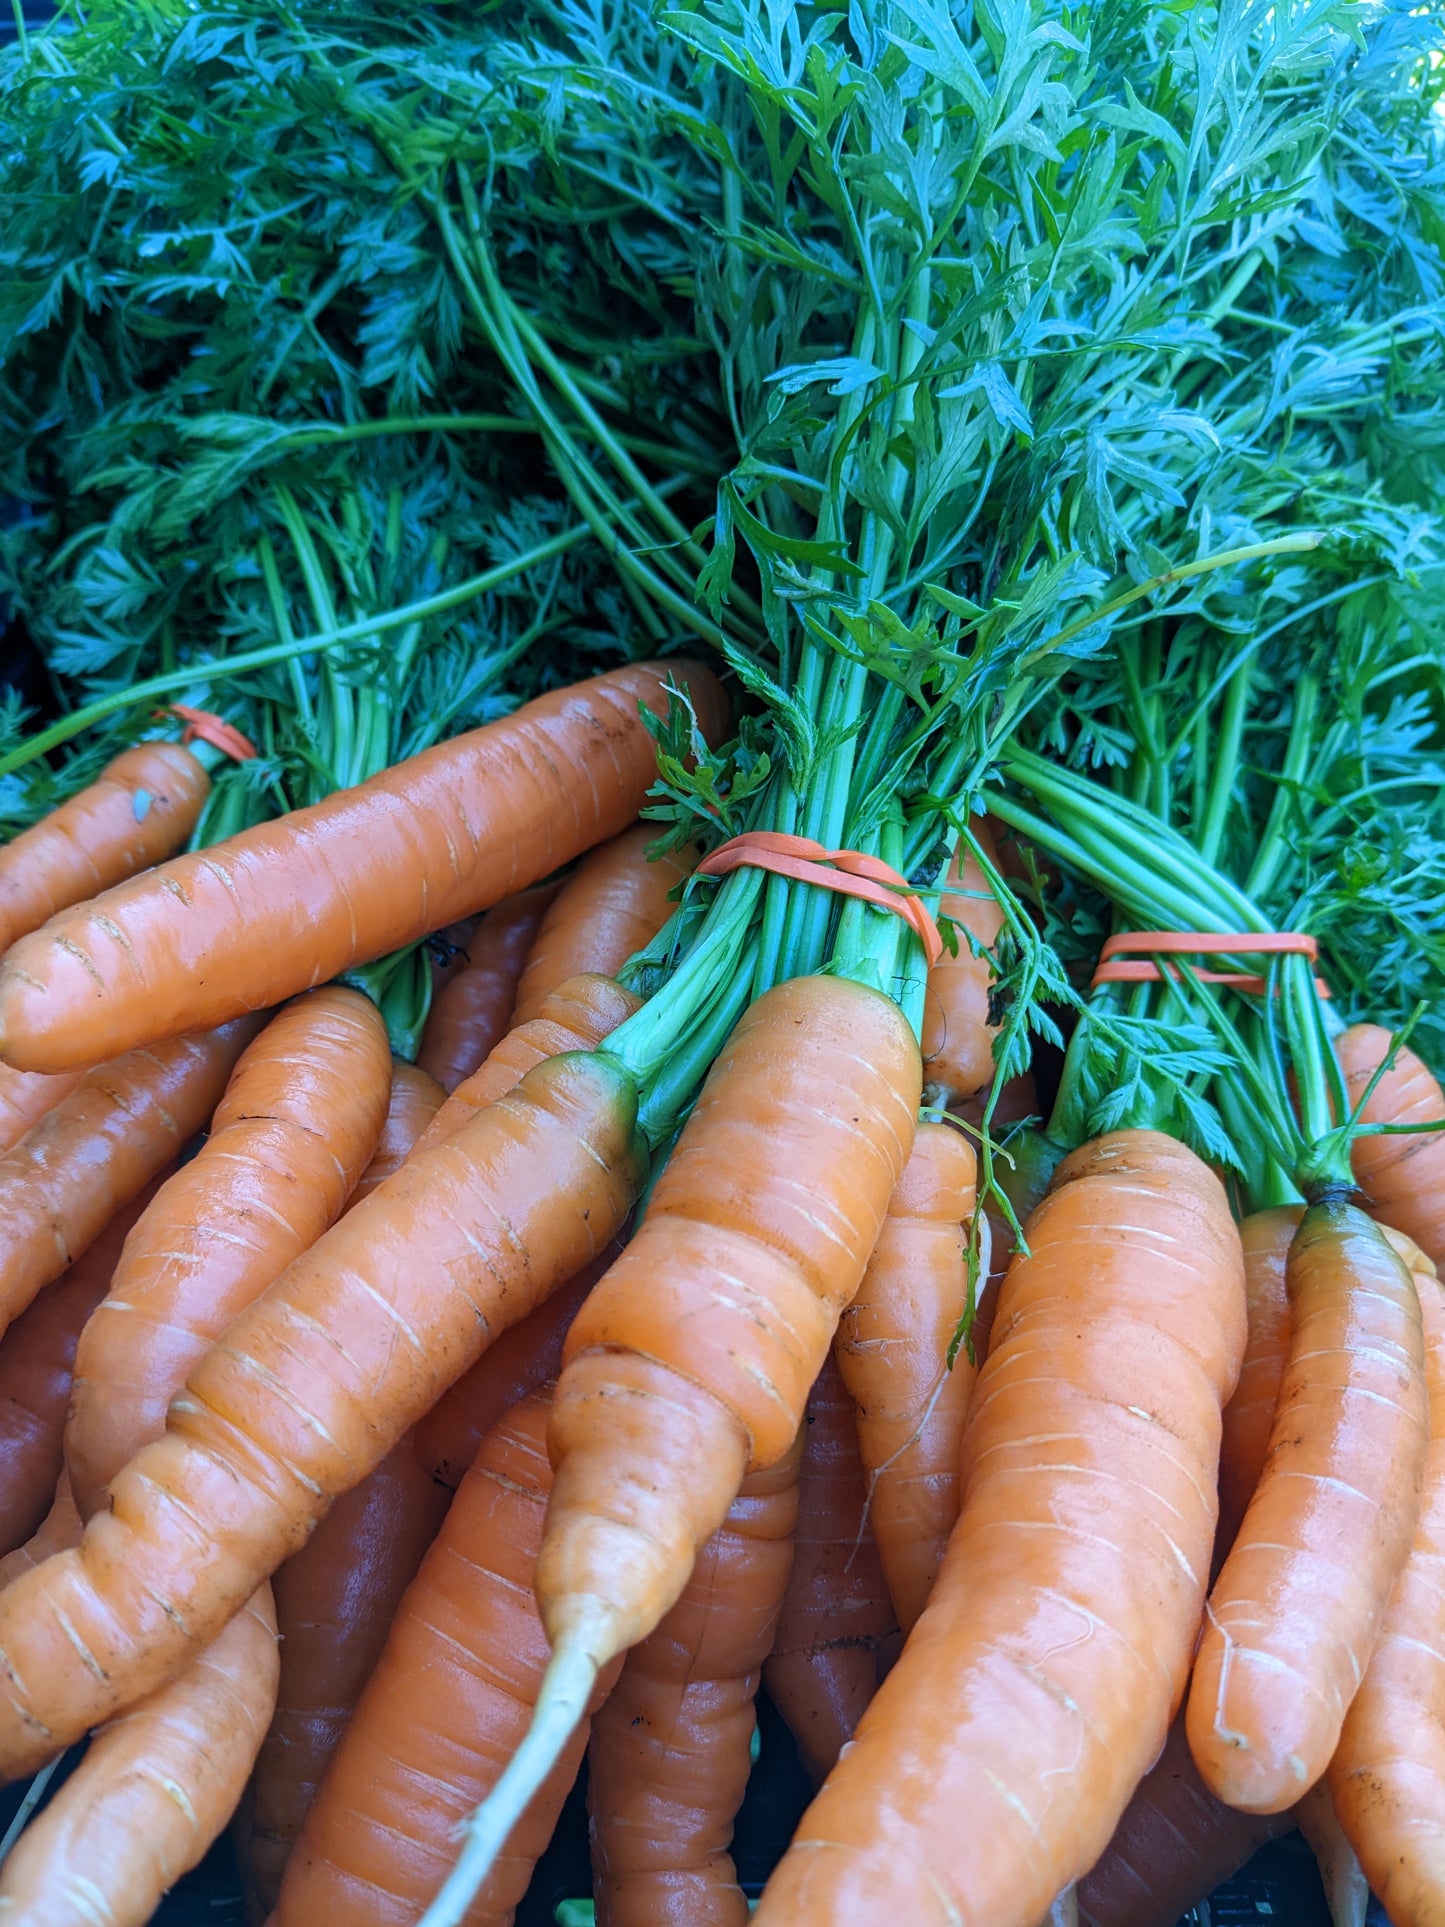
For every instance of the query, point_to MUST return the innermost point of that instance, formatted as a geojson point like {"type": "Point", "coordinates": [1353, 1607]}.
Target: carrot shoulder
{"type": "Point", "coordinates": [1298, 1604]}
{"type": "Point", "coordinates": [1038, 1686]}
{"type": "Point", "coordinates": [297, 1125]}
{"type": "Point", "coordinates": [66, 1179]}
{"type": "Point", "coordinates": [294, 902]}
{"type": "Point", "coordinates": [892, 1348]}
{"type": "Point", "coordinates": [836, 1614]}
{"type": "Point", "coordinates": [142, 806]}
{"type": "Point", "coordinates": [1387, 1777]}
{"type": "Point", "coordinates": [310, 1388]}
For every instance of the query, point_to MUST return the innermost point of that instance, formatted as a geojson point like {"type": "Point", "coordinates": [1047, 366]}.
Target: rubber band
{"type": "Point", "coordinates": [1176, 943]}
{"type": "Point", "coordinates": [849, 872]}
{"type": "Point", "coordinates": [203, 725]}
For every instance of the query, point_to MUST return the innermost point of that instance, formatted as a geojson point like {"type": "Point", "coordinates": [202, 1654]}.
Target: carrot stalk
{"type": "Point", "coordinates": [691, 1362]}
{"type": "Point", "coordinates": [1298, 1604]}
{"type": "Point", "coordinates": [1039, 1684]}
{"type": "Point", "coordinates": [893, 1348]}
{"type": "Point", "coordinates": [142, 806]}
{"type": "Point", "coordinates": [66, 1179]}
{"type": "Point", "coordinates": [294, 902]}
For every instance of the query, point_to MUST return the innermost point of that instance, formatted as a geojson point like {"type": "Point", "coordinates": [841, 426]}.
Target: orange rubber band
{"type": "Point", "coordinates": [1177, 943]}
{"type": "Point", "coordinates": [205, 726]}
{"type": "Point", "coordinates": [849, 872]}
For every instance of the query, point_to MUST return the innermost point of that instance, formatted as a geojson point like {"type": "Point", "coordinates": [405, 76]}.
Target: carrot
{"type": "Point", "coordinates": [1401, 1178]}
{"type": "Point", "coordinates": [68, 1176]}
{"type": "Point", "coordinates": [153, 1791]}
{"type": "Point", "coordinates": [1387, 1777]}
{"type": "Point", "coordinates": [37, 1358]}
{"type": "Point", "coordinates": [297, 1126]}
{"type": "Point", "coordinates": [415, 1099]}
{"type": "Point", "coordinates": [1347, 1892]}
{"type": "Point", "coordinates": [26, 1096]}
{"type": "Point", "coordinates": [446, 1440]}
{"type": "Point", "coordinates": [335, 1602]}
{"type": "Point", "coordinates": [690, 1363]}
{"type": "Point", "coordinates": [295, 901]}
{"type": "Point", "coordinates": [957, 1035]}
{"type": "Point", "coordinates": [1173, 1846]}
{"type": "Point", "coordinates": [57, 1532]}
{"type": "Point", "coordinates": [1038, 1687]}
{"type": "Point", "coordinates": [612, 906]}
{"type": "Point", "coordinates": [1298, 1604]}
{"type": "Point", "coordinates": [142, 806]}
{"type": "Point", "coordinates": [576, 1016]}
{"type": "Point", "coordinates": [670, 1751]}
{"type": "Point", "coordinates": [825, 1661]}
{"type": "Point", "coordinates": [310, 1388]}
{"type": "Point", "coordinates": [449, 1699]}
{"type": "Point", "coordinates": [472, 1010]}
{"type": "Point", "coordinates": [892, 1349]}
{"type": "Point", "coordinates": [1249, 1415]}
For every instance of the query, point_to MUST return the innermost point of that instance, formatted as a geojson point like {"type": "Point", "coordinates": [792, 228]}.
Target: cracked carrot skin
{"type": "Point", "coordinates": [1038, 1686]}
{"type": "Point", "coordinates": [443, 1712]}
{"type": "Point", "coordinates": [691, 1362]}
{"type": "Point", "coordinates": [578, 1015]}
{"type": "Point", "coordinates": [670, 1751]}
{"type": "Point", "coordinates": [124, 1121]}
{"type": "Point", "coordinates": [1173, 1846]}
{"type": "Point", "coordinates": [611, 907]}
{"type": "Point", "coordinates": [1401, 1179]}
{"type": "Point", "coordinates": [1299, 1602]}
{"type": "Point", "coordinates": [297, 1126]}
{"type": "Point", "coordinates": [142, 806]}
{"type": "Point", "coordinates": [1387, 1776]}
{"type": "Point", "coordinates": [26, 1096]}
{"type": "Point", "coordinates": [472, 1008]}
{"type": "Point", "coordinates": [836, 1615]}
{"type": "Point", "coordinates": [308, 1391]}
{"type": "Point", "coordinates": [37, 1358]}
{"type": "Point", "coordinates": [415, 1099]}
{"type": "Point", "coordinates": [1249, 1415]}
{"type": "Point", "coordinates": [335, 1602]}
{"type": "Point", "coordinates": [892, 1349]}
{"type": "Point", "coordinates": [154, 1790]}
{"type": "Point", "coordinates": [292, 903]}
{"type": "Point", "coordinates": [957, 1035]}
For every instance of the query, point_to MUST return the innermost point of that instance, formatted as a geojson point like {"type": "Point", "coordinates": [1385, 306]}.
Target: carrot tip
{"type": "Point", "coordinates": [561, 1702]}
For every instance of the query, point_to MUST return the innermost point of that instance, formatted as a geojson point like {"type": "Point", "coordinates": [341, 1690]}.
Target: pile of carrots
{"type": "Point", "coordinates": [380, 1437]}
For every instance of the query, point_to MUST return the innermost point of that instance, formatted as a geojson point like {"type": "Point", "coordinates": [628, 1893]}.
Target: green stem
{"type": "Point", "coordinates": [1273, 849]}
{"type": "Point", "coordinates": [1226, 763]}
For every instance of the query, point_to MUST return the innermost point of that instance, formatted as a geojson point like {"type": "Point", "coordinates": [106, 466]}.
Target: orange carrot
{"type": "Point", "coordinates": [66, 1179]}
{"type": "Point", "coordinates": [416, 1097]}
{"type": "Point", "coordinates": [1387, 1777]}
{"type": "Point", "coordinates": [612, 906]}
{"type": "Point", "coordinates": [957, 1035]}
{"type": "Point", "coordinates": [669, 1755]}
{"type": "Point", "coordinates": [577, 1016]}
{"type": "Point", "coordinates": [1298, 1604]}
{"type": "Point", "coordinates": [892, 1349]}
{"type": "Point", "coordinates": [1172, 1848]}
{"type": "Point", "coordinates": [1038, 1687]}
{"type": "Point", "coordinates": [37, 1357]}
{"type": "Point", "coordinates": [26, 1096]}
{"type": "Point", "coordinates": [310, 1388]}
{"type": "Point", "coordinates": [297, 1126]}
{"type": "Point", "coordinates": [1347, 1892]}
{"type": "Point", "coordinates": [472, 1010]}
{"type": "Point", "coordinates": [153, 1791]}
{"type": "Point", "coordinates": [1249, 1415]}
{"type": "Point", "coordinates": [1401, 1179]}
{"type": "Point", "coordinates": [335, 1602]}
{"type": "Point", "coordinates": [824, 1665]}
{"type": "Point", "coordinates": [690, 1363]}
{"type": "Point", "coordinates": [293, 902]}
{"type": "Point", "coordinates": [523, 1358]}
{"type": "Point", "coordinates": [449, 1699]}
{"type": "Point", "coordinates": [142, 806]}
{"type": "Point", "coordinates": [57, 1532]}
